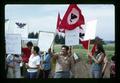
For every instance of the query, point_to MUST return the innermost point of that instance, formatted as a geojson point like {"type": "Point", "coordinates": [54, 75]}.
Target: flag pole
{"type": "Point", "coordinates": [88, 45]}
{"type": "Point", "coordinates": [71, 50]}
{"type": "Point", "coordinates": [87, 50]}
{"type": "Point", "coordinates": [89, 61]}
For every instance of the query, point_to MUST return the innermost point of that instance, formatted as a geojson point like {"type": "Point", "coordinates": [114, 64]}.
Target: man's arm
{"type": "Point", "coordinates": [70, 51]}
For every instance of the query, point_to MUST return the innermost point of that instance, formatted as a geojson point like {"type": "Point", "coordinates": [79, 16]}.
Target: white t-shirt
{"type": "Point", "coordinates": [33, 62]}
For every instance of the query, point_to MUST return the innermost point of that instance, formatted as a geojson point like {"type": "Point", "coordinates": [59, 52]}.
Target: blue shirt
{"type": "Point", "coordinates": [47, 59]}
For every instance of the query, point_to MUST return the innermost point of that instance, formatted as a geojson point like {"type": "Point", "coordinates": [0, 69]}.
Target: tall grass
{"type": "Point", "coordinates": [109, 50]}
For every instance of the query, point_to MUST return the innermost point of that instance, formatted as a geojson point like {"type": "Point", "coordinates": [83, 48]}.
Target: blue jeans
{"type": "Point", "coordinates": [96, 74]}
{"type": "Point", "coordinates": [62, 74]}
{"type": "Point", "coordinates": [32, 75]}
{"type": "Point", "coordinates": [96, 70]}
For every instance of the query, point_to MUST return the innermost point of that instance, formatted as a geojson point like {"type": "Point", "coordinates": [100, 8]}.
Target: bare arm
{"type": "Point", "coordinates": [28, 67]}
{"type": "Point", "coordinates": [10, 65]}
{"type": "Point", "coordinates": [105, 64]}
{"type": "Point", "coordinates": [70, 51]}
{"type": "Point", "coordinates": [54, 56]}
{"type": "Point", "coordinates": [100, 59]}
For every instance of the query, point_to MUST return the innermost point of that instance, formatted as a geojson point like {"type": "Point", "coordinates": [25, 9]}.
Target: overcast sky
{"type": "Point", "coordinates": [44, 17]}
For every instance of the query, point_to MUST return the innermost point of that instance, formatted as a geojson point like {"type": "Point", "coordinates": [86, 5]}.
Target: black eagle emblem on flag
{"type": "Point", "coordinates": [81, 35]}
{"type": "Point", "coordinates": [20, 25]}
{"type": "Point", "coordinates": [73, 16]}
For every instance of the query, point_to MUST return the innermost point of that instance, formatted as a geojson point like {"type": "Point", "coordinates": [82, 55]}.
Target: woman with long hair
{"type": "Point", "coordinates": [98, 59]}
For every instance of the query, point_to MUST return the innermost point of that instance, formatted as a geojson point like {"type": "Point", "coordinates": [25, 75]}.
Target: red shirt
{"type": "Point", "coordinates": [26, 54]}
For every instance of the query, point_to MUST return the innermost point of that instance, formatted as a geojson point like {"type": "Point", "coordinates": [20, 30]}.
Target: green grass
{"type": "Point", "coordinates": [109, 49]}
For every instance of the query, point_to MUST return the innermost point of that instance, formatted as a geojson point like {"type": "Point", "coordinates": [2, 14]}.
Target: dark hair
{"type": "Point", "coordinates": [64, 46]}
{"type": "Point", "coordinates": [16, 55]}
{"type": "Point", "coordinates": [100, 48]}
{"type": "Point", "coordinates": [36, 48]}
{"type": "Point", "coordinates": [29, 43]}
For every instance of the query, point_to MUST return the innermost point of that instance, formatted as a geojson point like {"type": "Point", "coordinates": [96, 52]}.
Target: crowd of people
{"type": "Point", "coordinates": [33, 63]}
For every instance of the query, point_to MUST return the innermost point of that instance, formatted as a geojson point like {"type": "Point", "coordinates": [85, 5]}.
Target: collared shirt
{"type": "Point", "coordinates": [64, 63]}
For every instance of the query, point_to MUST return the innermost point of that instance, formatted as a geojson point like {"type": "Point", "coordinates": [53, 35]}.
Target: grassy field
{"type": "Point", "coordinates": [109, 50]}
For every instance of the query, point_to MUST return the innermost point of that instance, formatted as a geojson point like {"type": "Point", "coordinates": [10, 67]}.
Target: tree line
{"type": "Point", "coordinates": [33, 35]}
{"type": "Point", "coordinates": [59, 39]}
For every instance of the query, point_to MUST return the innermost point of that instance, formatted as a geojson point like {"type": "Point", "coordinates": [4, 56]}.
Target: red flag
{"type": "Point", "coordinates": [83, 42]}
{"type": "Point", "coordinates": [72, 18]}
{"type": "Point", "coordinates": [93, 49]}
{"type": "Point", "coordinates": [59, 28]}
